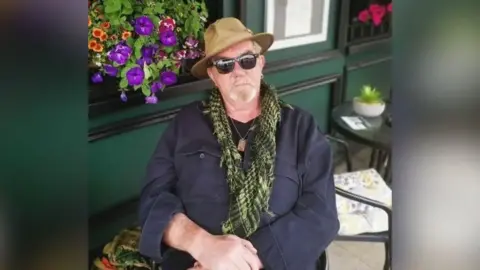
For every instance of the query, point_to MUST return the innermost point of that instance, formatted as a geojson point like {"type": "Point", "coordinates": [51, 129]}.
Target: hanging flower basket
{"type": "Point", "coordinates": [143, 44]}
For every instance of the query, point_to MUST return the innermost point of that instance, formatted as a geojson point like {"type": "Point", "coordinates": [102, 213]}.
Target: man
{"type": "Point", "coordinates": [241, 181]}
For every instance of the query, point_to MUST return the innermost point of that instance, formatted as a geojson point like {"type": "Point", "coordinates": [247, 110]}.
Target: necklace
{"type": "Point", "coordinates": [242, 143]}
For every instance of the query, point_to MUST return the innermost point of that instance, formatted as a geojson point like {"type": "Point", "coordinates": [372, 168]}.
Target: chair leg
{"type": "Point", "coordinates": [388, 170]}
{"type": "Point", "coordinates": [388, 256]}
{"type": "Point", "coordinates": [373, 157]}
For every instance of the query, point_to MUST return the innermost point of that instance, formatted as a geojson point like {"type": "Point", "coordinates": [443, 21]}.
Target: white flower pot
{"type": "Point", "coordinates": [368, 110]}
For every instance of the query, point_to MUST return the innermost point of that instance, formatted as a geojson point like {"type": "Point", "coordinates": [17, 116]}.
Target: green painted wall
{"type": "Point", "coordinates": [117, 163]}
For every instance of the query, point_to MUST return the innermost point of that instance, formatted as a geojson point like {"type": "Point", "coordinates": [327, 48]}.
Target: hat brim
{"type": "Point", "coordinates": [264, 40]}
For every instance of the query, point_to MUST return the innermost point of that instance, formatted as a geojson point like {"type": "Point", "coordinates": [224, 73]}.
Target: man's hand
{"type": "Point", "coordinates": [225, 252]}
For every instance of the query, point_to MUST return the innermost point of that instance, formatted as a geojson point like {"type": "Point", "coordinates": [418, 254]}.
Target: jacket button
{"type": "Point", "coordinates": [202, 155]}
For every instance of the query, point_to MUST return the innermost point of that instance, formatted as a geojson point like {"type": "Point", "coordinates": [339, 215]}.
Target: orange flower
{"type": "Point", "coordinates": [98, 48]}
{"type": "Point", "coordinates": [104, 37]}
{"type": "Point", "coordinates": [107, 264]}
{"type": "Point", "coordinates": [105, 25]}
{"type": "Point", "coordinates": [89, 21]}
{"type": "Point", "coordinates": [91, 44]}
{"type": "Point", "coordinates": [97, 32]}
{"type": "Point", "coordinates": [126, 35]}
{"type": "Point", "coordinates": [113, 37]}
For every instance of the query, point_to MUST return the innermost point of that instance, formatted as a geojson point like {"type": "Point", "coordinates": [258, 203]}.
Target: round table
{"type": "Point", "coordinates": [377, 135]}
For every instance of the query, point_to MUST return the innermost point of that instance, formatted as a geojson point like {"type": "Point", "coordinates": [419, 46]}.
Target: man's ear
{"type": "Point", "coordinates": [261, 61]}
{"type": "Point", "coordinates": [210, 74]}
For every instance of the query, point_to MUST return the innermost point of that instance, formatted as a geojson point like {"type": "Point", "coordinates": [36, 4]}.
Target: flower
{"type": "Point", "coordinates": [123, 97]}
{"type": "Point", "coordinates": [126, 35]}
{"type": "Point", "coordinates": [179, 55]}
{"type": "Point", "coordinates": [162, 55]}
{"type": "Point", "coordinates": [364, 16]}
{"type": "Point", "coordinates": [120, 53]}
{"type": "Point", "coordinates": [156, 86]}
{"type": "Point", "coordinates": [168, 38]}
{"type": "Point", "coordinates": [135, 76]}
{"type": "Point", "coordinates": [191, 42]}
{"type": "Point", "coordinates": [97, 32]}
{"type": "Point", "coordinates": [377, 11]}
{"type": "Point", "coordinates": [143, 26]}
{"type": "Point", "coordinates": [144, 60]}
{"type": "Point", "coordinates": [193, 54]}
{"type": "Point", "coordinates": [167, 24]}
{"type": "Point", "coordinates": [168, 78]}
{"type": "Point", "coordinates": [149, 51]}
{"type": "Point", "coordinates": [97, 77]}
{"type": "Point", "coordinates": [111, 70]}
{"type": "Point", "coordinates": [151, 100]}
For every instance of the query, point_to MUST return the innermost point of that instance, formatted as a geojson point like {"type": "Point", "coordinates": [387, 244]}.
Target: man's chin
{"type": "Point", "coordinates": [243, 96]}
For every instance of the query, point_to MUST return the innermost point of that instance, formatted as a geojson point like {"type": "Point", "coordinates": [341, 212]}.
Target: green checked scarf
{"type": "Point", "coordinates": [249, 190]}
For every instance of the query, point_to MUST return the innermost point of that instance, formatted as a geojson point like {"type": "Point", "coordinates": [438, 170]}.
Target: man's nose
{"type": "Point", "coordinates": [237, 69]}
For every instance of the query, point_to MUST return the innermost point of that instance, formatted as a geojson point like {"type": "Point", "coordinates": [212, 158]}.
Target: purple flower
{"type": "Point", "coordinates": [156, 86]}
{"type": "Point", "coordinates": [149, 51]}
{"type": "Point", "coordinates": [168, 78]}
{"type": "Point", "coordinates": [193, 54]}
{"type": "Point", "coordinates": [111, 70]}
{"type": "Point", "coordinates": [120, 53]}
{"type": "Point", "coordinates": [144, 60]}
{"type": "Point", "coordinates": [191, 42]}
{"type": "Point", "coordinates": [123, 97]}
{"type": "Point", "coordinates": [168, 38]}
{"type": "Point", "coordinates": [179, 55]}
{"type": "Point", "coordinates": [97, 77]}
{"type": "Point", "coordinates": [135, 76]}
{"type": "Point", "coordinates": [151, 100]}
{"type": "Point", "coordinates": [143, 26]}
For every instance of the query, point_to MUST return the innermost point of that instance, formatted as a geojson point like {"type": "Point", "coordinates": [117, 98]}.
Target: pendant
{"type": "Point", "coordinates": [241, 145]}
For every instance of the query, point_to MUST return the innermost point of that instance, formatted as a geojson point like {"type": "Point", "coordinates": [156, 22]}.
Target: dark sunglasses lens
{"type": "Point", "coordinates": [248, 61]}
{"type": "Point", "coordinates": [225, 66]}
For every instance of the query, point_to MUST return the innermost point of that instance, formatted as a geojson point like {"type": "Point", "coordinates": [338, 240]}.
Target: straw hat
{"type": "Point", "coordinates": [224, 33]}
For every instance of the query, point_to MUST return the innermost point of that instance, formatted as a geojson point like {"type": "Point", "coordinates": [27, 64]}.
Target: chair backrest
{"type": "Point", "coordinates": [322, 263]}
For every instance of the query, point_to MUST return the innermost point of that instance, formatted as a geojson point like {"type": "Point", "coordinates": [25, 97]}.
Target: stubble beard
{"type": "Point", "coordinates": [242, 94]}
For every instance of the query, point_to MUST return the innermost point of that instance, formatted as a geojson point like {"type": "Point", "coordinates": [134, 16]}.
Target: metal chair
{"type": "Point", "coordinates": [382, 236]}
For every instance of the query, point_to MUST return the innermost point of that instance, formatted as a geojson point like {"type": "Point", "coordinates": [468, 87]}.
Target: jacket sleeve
{"type": "Point", "coordinates": [158, 202]}
{"type": "Point", "coordinates": [296, 240]}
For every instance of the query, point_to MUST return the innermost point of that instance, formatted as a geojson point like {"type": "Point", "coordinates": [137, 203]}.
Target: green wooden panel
{"type": "Point", "coordinates": [145, 109]}
{"type": "Point", "coordinates": [302, 73]}
{"type": "Point", "coordinates": [117, 165]}
{"type": "Point", "coordinates": [315, 100]}
{"type": "Point", "coordinates": [377, 75]}
{"type": "Point", "coordinates": [255, 20]}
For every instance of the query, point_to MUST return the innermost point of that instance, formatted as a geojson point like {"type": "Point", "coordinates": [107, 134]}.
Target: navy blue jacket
{"type": "Point", "coordinates": [184, 176]}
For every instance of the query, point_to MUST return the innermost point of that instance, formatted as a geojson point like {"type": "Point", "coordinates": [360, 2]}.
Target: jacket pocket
{"type": "Point", "coordinates": [200, 176]}
{"type": "Point", "coordinates": [286, 188]}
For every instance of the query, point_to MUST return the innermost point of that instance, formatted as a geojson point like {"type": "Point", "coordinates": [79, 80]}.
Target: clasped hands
{"type": "Point", "coordinates": [226, 252]}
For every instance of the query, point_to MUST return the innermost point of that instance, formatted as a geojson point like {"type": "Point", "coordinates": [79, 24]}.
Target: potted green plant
{"type": "Point", "coordinates": [369, 103]}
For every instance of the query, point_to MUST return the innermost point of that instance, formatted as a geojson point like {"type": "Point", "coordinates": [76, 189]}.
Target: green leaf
{"type": "Point", "coordinates": [161, 64]}
{"type": "Point", "coordinates": [146, 90]}
{"type": "Point", "coordinates": [123, 83]}
{"type": "Point", "coordinates": [146, 71]}
{"type": "Point", "coordinates": [147, 11]}
{"type": "Point", "coordinates": [138, 47]}
{"type": "Point", "coordinates": [112, 6]}
{"type": "Point", "coordinates": [136, 87]}
{"type": "Point", "coordinates": [168, 49]}
{"type": "Point", "coordinates": [159, 8]}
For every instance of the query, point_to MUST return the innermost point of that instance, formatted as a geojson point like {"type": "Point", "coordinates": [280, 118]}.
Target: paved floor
{"type": "Point", "coordinates": [344, 255]}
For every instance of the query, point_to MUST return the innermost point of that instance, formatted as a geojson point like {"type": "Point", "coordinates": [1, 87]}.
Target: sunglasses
{"type": "Point", "coordinates": [226, 65]}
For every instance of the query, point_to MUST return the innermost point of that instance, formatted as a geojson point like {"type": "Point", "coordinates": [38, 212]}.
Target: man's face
{"type": "Point", "coordinates": [240, 85]}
